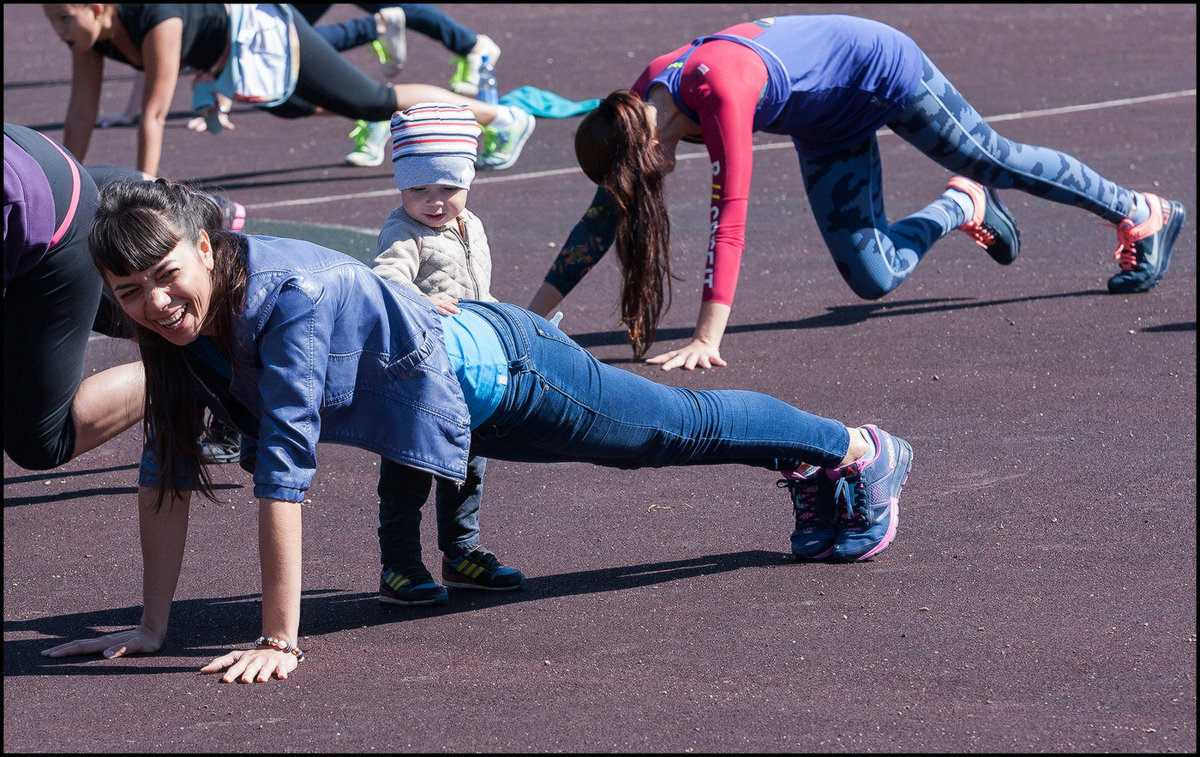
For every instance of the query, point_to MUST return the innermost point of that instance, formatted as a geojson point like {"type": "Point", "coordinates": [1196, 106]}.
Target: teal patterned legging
{"type": "Point", "coordinates": [845, 189]}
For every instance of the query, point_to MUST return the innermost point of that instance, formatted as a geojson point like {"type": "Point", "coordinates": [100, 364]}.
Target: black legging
{"type": "Point", "coordinates": [327, 80]}
{"type": "Point", "coordinates": [49, 314]}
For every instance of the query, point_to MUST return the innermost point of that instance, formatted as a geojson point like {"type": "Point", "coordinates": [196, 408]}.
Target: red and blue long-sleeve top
{"type": "Point", "coordinates": [826, 81]}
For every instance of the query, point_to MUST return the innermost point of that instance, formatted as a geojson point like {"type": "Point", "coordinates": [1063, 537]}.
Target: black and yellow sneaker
{"type": "Point", "coordinates": [479, 569]}
{"type": "Point", "coordinates": [410, 586]}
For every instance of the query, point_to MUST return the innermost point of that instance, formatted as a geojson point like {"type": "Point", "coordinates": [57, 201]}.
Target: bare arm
{"type": "Point", "coordinates": [161, 52]}
{"type": "Point", "coordinates": [279, 551]}
{"type": "Point", "coordinates": [163, 534]}
{"type": "Point", "coordinates": [87, 73]}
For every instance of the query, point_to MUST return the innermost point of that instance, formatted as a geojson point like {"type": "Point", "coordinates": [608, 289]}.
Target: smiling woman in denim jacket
{"type": "Point", "coordinates": [295, 344]}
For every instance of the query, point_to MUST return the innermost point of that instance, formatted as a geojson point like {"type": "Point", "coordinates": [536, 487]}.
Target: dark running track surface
{"type": "Point", "coordinates": [1040, 595]}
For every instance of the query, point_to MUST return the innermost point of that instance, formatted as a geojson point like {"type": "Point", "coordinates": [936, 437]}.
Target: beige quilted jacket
{"type": "Point", "coordinates": [453, 260]}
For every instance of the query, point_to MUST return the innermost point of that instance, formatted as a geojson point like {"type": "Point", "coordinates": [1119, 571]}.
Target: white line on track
{"type": "Point", "coordinates": [773, 146]}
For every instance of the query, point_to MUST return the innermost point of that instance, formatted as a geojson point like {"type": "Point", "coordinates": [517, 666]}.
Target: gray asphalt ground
{"type": "Point", "coordinates": [1040, 595]}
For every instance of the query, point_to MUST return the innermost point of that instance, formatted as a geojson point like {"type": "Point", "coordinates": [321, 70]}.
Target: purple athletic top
{"type": "Point", "coordinates": [29, 216]}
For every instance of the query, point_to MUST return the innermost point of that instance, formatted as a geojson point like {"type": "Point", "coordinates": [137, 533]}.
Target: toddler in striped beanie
{"type": "Point", "coordinates": [433, 245]}
{"type": "Point", "coordinates": [434, 144]}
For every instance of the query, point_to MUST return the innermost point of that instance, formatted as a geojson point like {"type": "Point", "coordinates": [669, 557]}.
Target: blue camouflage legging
{"type": "Point", "coordinates": [845, 188]}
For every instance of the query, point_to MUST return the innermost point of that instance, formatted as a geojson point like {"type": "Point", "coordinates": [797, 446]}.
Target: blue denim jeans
{"type": "Point", "coordinates": [403, 492]}
{"type": "Point", "coordinates": [420, 17]}
{"type": "Point", "coordinates": [845, 189]}
{"type": "Point", "coordinates": [564, 405]}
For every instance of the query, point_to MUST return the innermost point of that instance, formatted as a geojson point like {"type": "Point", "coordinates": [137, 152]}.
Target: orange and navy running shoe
{"type": "Point", "coordinates": [1144, 249]}
{"type": "Point", "coordinates": [991, 226]}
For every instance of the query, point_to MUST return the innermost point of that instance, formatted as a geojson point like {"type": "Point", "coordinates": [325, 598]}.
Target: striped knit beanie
{"type": "Point", "coordinates": [434, 144]}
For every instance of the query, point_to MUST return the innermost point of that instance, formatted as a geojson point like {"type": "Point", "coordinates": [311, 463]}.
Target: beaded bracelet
{"type": "Point", "coordinates": [267, 642]}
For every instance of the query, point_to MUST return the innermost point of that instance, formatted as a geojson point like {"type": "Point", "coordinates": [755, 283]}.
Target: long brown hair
{"type": "Point", "coordinates": [137, 224]}
{"type": "Point", "coordinates": [616, 149]}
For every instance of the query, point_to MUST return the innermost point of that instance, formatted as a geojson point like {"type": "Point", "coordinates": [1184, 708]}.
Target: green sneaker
{"type": "Point", "coordinates": [371, 143]}
{"type": "Point", "coordinates": [502, 147]}
{"type": "Point", "coordinates": [465, 80]}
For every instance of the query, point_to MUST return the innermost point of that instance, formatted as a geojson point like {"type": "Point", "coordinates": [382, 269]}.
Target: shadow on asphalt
{"type": "Point", "coordinates": [206, 628]}
{"type": "Point", "coordinates": [838, 315]}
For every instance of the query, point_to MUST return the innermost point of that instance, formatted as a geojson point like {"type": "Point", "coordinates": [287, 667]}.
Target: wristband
{"type": "Point", "coordinates": [268, 642]}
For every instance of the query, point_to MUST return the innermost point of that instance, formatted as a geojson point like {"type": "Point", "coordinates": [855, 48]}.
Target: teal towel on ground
{"type": "Point", "coordinates": [541, 103]}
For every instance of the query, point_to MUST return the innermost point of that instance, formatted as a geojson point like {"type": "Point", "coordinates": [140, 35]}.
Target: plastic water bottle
{"type": "Point", "coordinates": [487, 82]}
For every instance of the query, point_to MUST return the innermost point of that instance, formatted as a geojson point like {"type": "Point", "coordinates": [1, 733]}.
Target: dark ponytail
{"type": "Point", "coordinates": [616, 149]}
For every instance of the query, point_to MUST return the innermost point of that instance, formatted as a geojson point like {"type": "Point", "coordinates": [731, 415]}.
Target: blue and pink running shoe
{"type": "Point", "coordinates": [814, 503]}
{"type": "Point", "coordinates": [868, 496]}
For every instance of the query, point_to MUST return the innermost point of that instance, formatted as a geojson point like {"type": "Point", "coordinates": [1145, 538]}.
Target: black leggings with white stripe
{"type": "Point", "coordinates": [329, 81]}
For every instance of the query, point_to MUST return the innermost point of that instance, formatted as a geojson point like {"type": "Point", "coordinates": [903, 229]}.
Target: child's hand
{"type": "Point", "coordinates": [445, 305]}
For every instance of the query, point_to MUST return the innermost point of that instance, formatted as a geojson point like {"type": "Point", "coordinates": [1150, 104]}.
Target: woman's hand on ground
{"type": "Point", "coordinates": [134, 641]}
{"type": "Point", "coordinates": [696, 355]}
{"type": "Point", "coordinates": [253, 665]}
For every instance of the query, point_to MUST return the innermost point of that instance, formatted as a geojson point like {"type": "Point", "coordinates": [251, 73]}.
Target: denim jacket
{"type": "Point", "coordinates": [325, 350]}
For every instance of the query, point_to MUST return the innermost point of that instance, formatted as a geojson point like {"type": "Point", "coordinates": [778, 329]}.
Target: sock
{"type": "Point", "coordinates": [504, 118]}
{"type": "Point", "coordinates": [1141, 209]}
{"type": "Point", "coordinates": [964, 201]}
{"type": "Point", "coordinates": [871, 449]}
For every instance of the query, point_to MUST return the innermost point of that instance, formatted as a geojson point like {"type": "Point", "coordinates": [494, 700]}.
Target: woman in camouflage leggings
{"type": "Point", "coordinates": [828, 82]}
